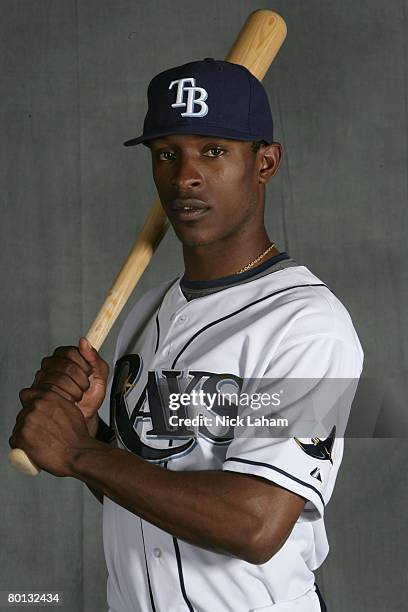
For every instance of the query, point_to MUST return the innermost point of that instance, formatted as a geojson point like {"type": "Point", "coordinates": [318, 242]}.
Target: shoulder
{"type": "Point", "coordinates": [307, 304]}
{"type": "Point", "coordinates": [314, 324]}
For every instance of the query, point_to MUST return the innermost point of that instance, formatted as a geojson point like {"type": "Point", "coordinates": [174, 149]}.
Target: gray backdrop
{"type": "Point", "coordinates": [73, 80]}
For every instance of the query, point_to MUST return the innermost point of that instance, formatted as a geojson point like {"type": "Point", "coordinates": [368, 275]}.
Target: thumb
{"type": "Point", "coordinates": [100, 368]}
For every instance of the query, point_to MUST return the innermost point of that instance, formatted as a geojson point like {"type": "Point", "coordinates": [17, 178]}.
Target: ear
{"type": "Point", "coordinates": [270, 159]}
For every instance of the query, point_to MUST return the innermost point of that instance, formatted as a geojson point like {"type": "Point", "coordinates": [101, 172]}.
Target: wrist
{"type": "Point", "coordinates": [87, 456]}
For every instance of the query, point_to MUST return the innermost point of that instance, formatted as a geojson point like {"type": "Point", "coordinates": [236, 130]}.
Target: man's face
{"type": "Point", "coordinates": [208, 186]}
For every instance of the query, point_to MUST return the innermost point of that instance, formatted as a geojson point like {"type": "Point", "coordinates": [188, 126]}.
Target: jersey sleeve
{"type": "Point", "coordinates": [305, 465]}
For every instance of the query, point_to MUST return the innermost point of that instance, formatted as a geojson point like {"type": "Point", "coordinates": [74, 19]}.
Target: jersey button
{"type": "Point", "coordinates": [157, 552]}
{"type": "Point", "coordinates": [182, 319]}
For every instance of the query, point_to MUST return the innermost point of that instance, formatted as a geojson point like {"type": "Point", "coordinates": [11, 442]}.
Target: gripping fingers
{"type": "Point", "coordinates": [72, 353]}
{"type": "Point", "coordinates": [78, 373]}
{"type": "Point", "coordinates": [60, 383]}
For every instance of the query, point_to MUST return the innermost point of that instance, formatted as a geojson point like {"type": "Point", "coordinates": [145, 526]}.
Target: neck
{"type": "Point", "coordinates": [211, 261]}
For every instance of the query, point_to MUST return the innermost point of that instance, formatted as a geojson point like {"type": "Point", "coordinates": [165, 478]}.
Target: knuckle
{"type": "Point", "coordinates": [44, 363]}
{"type": "Point", "coordinates": [38, 380]}
{"type": "Point", "coordinates": [63, 351]}
{"type": "Point", "coordinates": [59, 350]}
{"type": "Point", "coordinates": [72, 353]}
{"type": "Point", "coordinates": [24, 394]}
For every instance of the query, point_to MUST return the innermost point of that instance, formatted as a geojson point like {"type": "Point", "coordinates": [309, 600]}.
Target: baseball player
{"type": "Point", "coordinates": [197, 515]}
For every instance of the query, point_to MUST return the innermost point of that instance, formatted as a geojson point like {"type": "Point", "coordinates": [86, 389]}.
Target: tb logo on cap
{"type": "Point", "coordinates": [191, 99]}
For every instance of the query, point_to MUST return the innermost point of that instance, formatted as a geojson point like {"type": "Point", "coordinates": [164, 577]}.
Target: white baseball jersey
{"type": "Point", "coordinates": [286, 324]}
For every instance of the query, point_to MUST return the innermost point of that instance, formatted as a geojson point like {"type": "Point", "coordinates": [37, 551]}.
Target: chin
{"type": "Point", "coordinates": [197, 242]}
{"type": "Point", "coordinates": [191, 238]}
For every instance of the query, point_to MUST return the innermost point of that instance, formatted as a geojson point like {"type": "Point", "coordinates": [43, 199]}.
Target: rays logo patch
{"type": "Point", "coordinates": [188, 86]}
{"type": "Point", "coordinates": [319, 449]}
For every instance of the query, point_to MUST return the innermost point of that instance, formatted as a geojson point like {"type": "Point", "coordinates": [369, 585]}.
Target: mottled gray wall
{"type": "Point", "coordinates": [73, 80]}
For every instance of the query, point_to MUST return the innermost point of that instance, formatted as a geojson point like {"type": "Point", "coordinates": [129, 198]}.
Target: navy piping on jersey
{"type": "Point", "coordinates": [233, 278]}
{"type": "Point", "coordinates": [232, 314]}
{"type": "Point", "coordinates": [158, 332]}
{"type": "Point", "coordinates": [181, 577]}
{"type": "Point", "coordinates": [147, 570]}
{"type": "Point", "coordinates": [170, 444]}
{"type": "Point", "coordinates": [280, 471]}
{"type": "Point", "coordinates": [179, 565]}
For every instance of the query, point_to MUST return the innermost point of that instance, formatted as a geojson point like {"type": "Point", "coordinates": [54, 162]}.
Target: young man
{"type": "Point", "coordinates": [199, 517]}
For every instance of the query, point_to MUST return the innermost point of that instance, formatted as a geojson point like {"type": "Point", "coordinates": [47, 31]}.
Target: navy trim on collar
{"type": "Point", "coordinates": [233, 278]}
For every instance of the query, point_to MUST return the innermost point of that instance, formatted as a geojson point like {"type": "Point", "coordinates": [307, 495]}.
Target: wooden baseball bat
{"type": "Point", "coordinates": [255, 48]}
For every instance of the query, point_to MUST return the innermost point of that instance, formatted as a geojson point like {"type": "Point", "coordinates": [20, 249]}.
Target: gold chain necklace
{"type": "Point", "coordinates": [255, 261]}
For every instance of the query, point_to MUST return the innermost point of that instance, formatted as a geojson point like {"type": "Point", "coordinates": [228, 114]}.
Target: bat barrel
{"type": "Point", "coordinates": [258, 42]}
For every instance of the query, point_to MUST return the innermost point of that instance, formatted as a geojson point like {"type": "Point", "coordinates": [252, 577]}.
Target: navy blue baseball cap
{"type": "Point", "coordinates": [211, 97]}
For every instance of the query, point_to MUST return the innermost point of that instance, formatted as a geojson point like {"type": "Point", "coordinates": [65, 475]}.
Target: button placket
{"type": "Point", "coordinates": [174, 321]}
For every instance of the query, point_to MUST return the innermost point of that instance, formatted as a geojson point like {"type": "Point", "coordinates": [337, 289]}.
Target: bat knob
{"type": "Point", "coordinates": [20, 460]}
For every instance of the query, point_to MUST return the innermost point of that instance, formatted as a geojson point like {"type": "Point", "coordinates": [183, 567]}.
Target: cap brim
{"type": "Point", "coordinates": [207, 130]}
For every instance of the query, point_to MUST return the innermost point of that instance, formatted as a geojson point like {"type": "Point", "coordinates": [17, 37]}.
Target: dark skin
{"type": "Point", "coordinates": [58, 422]}
{"type": "Point", "coordinates": [227, 177]}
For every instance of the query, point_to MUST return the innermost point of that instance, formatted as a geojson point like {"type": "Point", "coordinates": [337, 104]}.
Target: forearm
{"type": "Point", "coordinates": [100, 431]}
{"type": "Point", "coordinates": [193, 506]}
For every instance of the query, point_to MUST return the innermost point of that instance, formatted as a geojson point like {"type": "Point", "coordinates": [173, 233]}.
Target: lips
{"type": "Point", "coordinates": [188, 209]}
{"type": "Point", "coordinates": [188, 203]}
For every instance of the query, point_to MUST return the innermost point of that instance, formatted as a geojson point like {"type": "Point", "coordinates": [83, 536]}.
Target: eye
{"type": "Point", "coordinates": [165, 155]}
{"type": "Point", "coordinates": [215, 152]}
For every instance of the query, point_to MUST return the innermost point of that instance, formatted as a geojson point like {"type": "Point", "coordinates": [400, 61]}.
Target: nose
{"type": "Point", "coordinates": [186, 175]}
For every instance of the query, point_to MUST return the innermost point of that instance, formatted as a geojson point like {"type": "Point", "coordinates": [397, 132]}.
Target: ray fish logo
{"type": "Point", "coordinates": [319, 449]}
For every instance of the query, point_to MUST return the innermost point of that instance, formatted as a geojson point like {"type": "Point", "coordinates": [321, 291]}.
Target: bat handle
{"type": "Point", "coordinates": [20, 460]}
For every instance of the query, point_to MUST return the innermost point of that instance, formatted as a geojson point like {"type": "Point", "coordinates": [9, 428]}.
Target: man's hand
{"type": "Point", "coordinates": [59, 413]}
{"type": "Point", "coordinates": [77, 374]}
